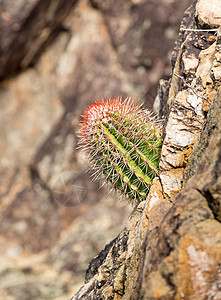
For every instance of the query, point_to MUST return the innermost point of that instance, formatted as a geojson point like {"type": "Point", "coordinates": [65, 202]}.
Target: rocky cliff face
{"type": "Point", "coordinates": [170, 247]}
{"type": "Point", "coordinates": [56, 58]}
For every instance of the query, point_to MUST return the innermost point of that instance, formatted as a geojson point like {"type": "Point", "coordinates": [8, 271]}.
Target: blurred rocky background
{"type": "Point", "coordinates": [56, 58]}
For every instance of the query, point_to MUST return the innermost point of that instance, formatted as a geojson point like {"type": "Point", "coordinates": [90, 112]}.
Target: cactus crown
{"type": "Point", "coordinates": [123, 142]}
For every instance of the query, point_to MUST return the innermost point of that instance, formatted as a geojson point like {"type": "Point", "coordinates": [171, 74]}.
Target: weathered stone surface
{"type": "Point", "coordinates": [209, 13]}
{"type": "Point", "coordinates": [170, 247]}
{"type": "Point", "coordinates": [208, 183]}
{"type": "Point", "coordinates": [27, 27]}
{"type": "Point", "coordinates": [189, 265]}
{"type": "Point", "coordinates": [134, 25]}
{"type": "Point", "coordinates": [54, 220]}
{"type": "Point", "coordinates": [185, 114]}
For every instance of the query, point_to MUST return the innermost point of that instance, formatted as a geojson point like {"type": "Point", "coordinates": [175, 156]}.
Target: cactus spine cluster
{"type": "Point", "coordinates": [123, 142]}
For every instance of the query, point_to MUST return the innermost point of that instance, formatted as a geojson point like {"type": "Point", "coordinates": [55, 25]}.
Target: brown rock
{"type": "Point", "coordinates": [170, 247]}
{"type": "Point", "coordinates": [54, 219]}
{"type": "Point", "coordinates": [26, 28]}
{"type": "Point", "coordinates": [133, 26]}
{"type": "Point", "coordinates": [191, 268]}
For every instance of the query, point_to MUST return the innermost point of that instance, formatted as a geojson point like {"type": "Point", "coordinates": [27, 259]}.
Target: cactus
{"type": "Point", "coordinates": [123, 142]}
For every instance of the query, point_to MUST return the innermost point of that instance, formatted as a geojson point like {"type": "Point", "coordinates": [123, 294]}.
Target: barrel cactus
{"type": "Point", "coordinates": [123, 142]}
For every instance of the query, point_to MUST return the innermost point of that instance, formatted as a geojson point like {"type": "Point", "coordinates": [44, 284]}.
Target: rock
{"type": "Point", "coordinates": [27, 27]}
{"type": "Point", "coordinates": [57, 58]}
{"type": "Point", "coordinates": [208, 168]}
{"type": "Point", "coordinates": [190, 266]}
{"type": "Point", "coordinates": [170, 247]}
{"type": "Point", "coordinates": [133, 26]}
{"type": "Point", "coordinates": [209, 13]}
{"type": "Point", "coordinates": [31, 279]}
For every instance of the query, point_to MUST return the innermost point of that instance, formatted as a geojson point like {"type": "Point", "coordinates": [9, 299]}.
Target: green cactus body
{"type": "Point", "coordinates": [124, 143]}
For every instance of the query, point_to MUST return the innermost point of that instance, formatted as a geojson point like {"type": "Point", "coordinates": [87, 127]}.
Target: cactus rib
{"type": "Point", "coordinates": [123, 142]}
